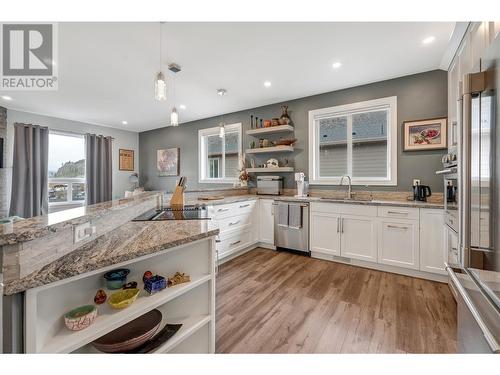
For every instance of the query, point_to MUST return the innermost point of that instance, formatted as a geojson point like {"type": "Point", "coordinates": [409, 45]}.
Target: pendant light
{"type": "Point", "coordinates": [160, 83]}
{"type": "Point", "coordinates": [174, 115]}
{"type": "Point", "coordinates": [222, 126]}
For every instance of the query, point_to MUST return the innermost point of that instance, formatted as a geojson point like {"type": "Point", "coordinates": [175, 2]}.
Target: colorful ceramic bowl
{"type": "Point", "coordinates": [123, 298]}
{"type": "Point", "coordinates": [81, 317]}
{"type": "Point", "coordinates": [115, 279]}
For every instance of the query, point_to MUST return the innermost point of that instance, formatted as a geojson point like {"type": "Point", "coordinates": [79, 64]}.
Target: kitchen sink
{"type": "Point", "coordinates": [349, 199]}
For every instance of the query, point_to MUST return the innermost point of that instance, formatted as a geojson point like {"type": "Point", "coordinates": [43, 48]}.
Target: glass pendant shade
{"type": "Point", "coordinates": [160, 87]}
{"type": "Point", "coordinates": [174, 117]}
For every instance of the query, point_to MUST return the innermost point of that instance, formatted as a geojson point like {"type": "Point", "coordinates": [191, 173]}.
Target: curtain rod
{"type": "Point", "coordinates": [73, 132]}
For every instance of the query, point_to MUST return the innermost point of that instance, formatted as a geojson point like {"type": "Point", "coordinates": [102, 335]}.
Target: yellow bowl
{"type": "Point", "coordinates": [123, 298]}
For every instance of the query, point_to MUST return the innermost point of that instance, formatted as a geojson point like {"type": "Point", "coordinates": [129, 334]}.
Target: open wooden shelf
{"type": "Point", "coordinates": [264, 150]}
{"type": "Point", "coordinates": [270, 170]}
{"type": "Point", "coordinates": [108, 319]}
{"type": "Point", "coordinates": [271, 130]}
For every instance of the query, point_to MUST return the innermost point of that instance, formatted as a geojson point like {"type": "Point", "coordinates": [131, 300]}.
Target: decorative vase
{"type": "Point", "coordinates": [285, 118]}
{"type": "Point", "coordinates": [243, 183]}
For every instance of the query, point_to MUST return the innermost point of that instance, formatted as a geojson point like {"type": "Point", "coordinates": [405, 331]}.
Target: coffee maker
{"type": "Point", "coordinates": [302, 185]}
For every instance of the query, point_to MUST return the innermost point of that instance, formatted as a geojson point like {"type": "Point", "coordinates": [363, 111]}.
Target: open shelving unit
{"type": "Point", "coordinates": [270, 170]}
{"type": "Point", "coordinates": [264, 150]}
{"type": "Point", "coordinates": [271, 130]}
{"type": "Point", "coordinates": [191, 303]}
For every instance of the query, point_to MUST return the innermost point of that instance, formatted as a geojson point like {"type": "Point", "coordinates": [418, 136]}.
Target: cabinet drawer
{"type": "Point", "coordinates": [231, 209]}
{"type": "Point", "coordinates": [398, 212]}
{"type": "Point", "coordinates": [399, 243]}
{"type": "Point", "coordinates": [234, 222]}
{"type": "Point", "coordinates": [232, 243]}
{"type": "Point", "coordinates": [341, 208]}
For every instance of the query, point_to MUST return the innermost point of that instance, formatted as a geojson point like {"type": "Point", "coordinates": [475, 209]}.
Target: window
{"type": "Point", "coordinates": [218, 157]}
{"type": "Point", "coordinates": [66, 169]}
{"type": "Point", "coordinates": [358, 140]}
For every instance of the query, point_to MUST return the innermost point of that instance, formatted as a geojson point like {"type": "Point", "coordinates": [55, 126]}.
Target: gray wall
{"type": "Point", "coordinates": [122, 139]}
{"type": "Point", "coordinates": [420, 96]}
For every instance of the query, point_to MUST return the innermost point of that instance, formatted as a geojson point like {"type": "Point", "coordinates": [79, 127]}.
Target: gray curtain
{"type": "Point", "coordinates": [30, 171]}
{"type": "Point", "coordinates": [98, 168]}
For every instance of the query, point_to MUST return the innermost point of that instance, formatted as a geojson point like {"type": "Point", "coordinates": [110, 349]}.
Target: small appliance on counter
{"type": "Point", "coordinates": [302, 185]}
{"type": "Point", "coordinates": [269, 185]}
{"type": "Point", "coordinates": [421, 193]}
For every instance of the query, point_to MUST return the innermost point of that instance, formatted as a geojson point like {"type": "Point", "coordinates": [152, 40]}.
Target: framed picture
{"type": "Point", "coordinates": [428, 134]}
{"type": "Point", "coordinates": [126, 162]}
{"type": "Point", "coordinates": [167, 162]}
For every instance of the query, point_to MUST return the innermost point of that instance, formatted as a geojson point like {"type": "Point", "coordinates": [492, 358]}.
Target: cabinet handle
{"type": "Point", "coordinates": [397, 227]}
{"type": "Point", "coordinates": [338, 224]}
{"type": "Point", "coordinates": [245, 205]}
{"type": "Point", "coordinates": [234, 243]}
{"type": "Point", "coordinates": [342, 225]}
{"type": "Point", "coordinates": [223, 209]}
{"type": "Point", "coordinates": [234, 223]}
{"type": "Point", "coordinates": [397, 213]}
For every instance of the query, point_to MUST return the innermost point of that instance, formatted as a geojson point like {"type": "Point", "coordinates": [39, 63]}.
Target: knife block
{"type": "Point", "coordinates": [177, 199]}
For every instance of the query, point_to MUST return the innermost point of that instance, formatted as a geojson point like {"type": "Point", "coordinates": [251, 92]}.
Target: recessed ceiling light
{"type": "Point", "coordinates": [336, 65]}
{"type": "Point", "coordinates": [182, 106]}
{"type": "Point", "coordinates": [267, 84]}
{"type": "Point", "coordinates": [124, 122]}
{"type": "Point", "coordinates": [5, 97]}
{"type": "Point", "coordinates": [429, 40]}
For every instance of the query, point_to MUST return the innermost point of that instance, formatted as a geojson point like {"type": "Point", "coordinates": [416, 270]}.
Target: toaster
{"type": "Point", "coordinates": [269, 185]}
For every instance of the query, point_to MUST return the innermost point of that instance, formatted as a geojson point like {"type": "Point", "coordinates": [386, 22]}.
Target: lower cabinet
{"type": "Point", "coordinates": [398, 243]}
{"type": "Point", "coordinates": [266, 221]}
{"type": "Point", "coordinates": [358, 237]}
{"type": "Point", "coordinates": [325, 233]}
{"type": "Point", "coordinates": [433, 249]}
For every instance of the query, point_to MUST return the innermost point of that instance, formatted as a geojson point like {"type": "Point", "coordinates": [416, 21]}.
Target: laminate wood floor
{"type": "Point", "coordinates": [277, 302]}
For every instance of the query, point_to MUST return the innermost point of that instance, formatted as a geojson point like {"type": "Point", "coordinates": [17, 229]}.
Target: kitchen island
{"type": "Point", "coordinates": [72, 280]}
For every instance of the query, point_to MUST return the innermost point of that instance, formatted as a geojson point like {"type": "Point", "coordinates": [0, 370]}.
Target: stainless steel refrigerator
{"type": "Point", "coordinates": [477, 280]}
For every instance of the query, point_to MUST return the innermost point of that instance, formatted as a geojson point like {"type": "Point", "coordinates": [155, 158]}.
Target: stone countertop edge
{"type": "Point", "coordinates": [108, 250]}
{"type": "Point", "coordinates": [43, 225]}
{"type": "Point", "coordinates": [375, 202]}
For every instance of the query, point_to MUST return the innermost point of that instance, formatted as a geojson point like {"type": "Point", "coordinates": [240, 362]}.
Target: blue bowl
{"type": "Point", "coordinates": [115, 279]}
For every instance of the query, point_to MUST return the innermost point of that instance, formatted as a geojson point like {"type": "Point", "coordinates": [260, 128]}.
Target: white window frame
{"type": "Point", "coordinates": [68, 180]}
{"type": "Point", "coordinates": [203, 157]}
{"type": "Point", "coordinates": [389, 103]}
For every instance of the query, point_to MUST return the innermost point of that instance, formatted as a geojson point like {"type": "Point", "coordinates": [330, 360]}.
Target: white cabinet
{"type": "Point", "coordinates": [325, 233]}
{"type": "Point", "coordinates": [344, 230]}
{"type": "Point", "coordinates": [266, 221]}
{"type": "Point", "coordinates": [358, 238]}
{"type": "Point", "coordinates": [399, 243]}
{"type": "Point", "coordinates": [433, 252]}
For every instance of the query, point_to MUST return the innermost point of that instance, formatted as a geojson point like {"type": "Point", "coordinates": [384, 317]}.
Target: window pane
{"type": "Point", "coordinates": [333, 146]}
{"type": "Point", "coordinates": [78, 191]}
{"type": "Point", "coordinates": [58, 192]}
{"type": "Point", "coordinates": [66, 156]}
{"type": "Point", "coordinates": [214, 157]}
{"type": "Point", "coordinates": [369, 148]}
{"type": "Point", "coordinates": [231, 149]}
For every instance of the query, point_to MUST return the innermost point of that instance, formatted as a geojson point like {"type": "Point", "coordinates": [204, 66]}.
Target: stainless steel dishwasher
{"type": "Point", "coordinates": [291, 226]}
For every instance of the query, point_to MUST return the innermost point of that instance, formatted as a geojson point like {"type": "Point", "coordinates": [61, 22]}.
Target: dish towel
{"type": "Point", "coordinates": [295, 216]}
{"type": "Point", "coordinates": [283, 214]}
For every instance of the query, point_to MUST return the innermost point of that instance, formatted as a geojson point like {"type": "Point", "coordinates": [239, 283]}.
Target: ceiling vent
{"type": "Point", "coordinates": [174, 68]}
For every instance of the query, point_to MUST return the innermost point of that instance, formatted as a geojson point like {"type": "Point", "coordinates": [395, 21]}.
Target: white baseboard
{"type": "Point", "coordinates": [381, 267]}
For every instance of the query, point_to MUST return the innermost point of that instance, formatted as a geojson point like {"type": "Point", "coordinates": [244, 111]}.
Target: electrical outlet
{"type": "Point", "coordinates": [416, 182]}
{"type": "Point", "coordinates": [83, 231]}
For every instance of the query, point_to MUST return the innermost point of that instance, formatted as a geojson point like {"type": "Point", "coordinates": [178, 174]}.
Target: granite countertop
{"type": "Point", "coordinates": [130, 241]}
{"type": "Point", "coordinates": [43, 225]}
{"type": "Point", "coordinates": [374, 202]}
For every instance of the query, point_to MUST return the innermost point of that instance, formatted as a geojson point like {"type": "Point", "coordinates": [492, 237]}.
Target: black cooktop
{"type": "Point", "coordinates": [186, 213]}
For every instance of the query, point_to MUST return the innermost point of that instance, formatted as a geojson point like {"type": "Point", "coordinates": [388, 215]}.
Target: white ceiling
{"type": "Point", "coordinates": [106, 70]}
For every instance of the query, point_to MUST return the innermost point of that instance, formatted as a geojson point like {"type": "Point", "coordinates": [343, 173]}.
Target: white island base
{"type": "Point", "coordinates": [192, 304]}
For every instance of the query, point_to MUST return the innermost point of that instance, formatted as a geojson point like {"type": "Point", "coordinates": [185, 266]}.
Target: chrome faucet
{"type": "Point", "coordinates": [349, 189]}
